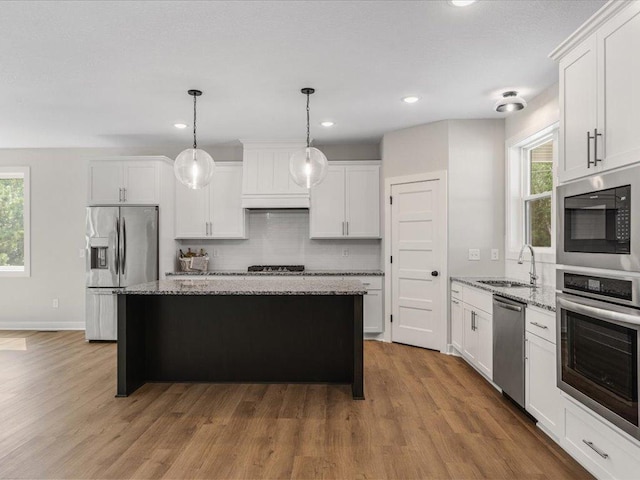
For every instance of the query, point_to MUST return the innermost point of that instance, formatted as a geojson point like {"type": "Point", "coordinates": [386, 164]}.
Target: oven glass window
{"type": "Point", "coordinates": [598, 222]}
{"type": "Point", "coordinates": [600, 359]}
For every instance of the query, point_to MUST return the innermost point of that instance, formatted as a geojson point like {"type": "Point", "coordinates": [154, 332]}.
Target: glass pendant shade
{"type": "Point", "coordinates": [308, 167]}
{"type": "Point", "coordinates": [194, 168]}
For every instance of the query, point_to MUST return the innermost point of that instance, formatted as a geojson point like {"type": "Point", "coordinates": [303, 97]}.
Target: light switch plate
{"type": "Point", "coordinates": [474, 254]}
{"type": "Point", "coordinates": [495, 254]}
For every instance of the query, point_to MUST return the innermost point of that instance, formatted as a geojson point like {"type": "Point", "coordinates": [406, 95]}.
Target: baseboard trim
{"type": "Point", "coordinates": [42, 326]}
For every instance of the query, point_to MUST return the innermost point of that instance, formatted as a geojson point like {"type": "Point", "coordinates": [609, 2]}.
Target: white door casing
{"type": "Point", "coordinates": [416, 236]}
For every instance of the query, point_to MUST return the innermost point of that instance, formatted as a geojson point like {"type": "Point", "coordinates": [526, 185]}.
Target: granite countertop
{"type": "Point", "coordinates": [543, 297]}
{"type": "Point", "coordinates": [249, 286]}
{"type": "Point", "coordinates": [306, 273]}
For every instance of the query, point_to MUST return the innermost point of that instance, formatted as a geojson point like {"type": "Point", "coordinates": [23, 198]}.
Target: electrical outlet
{"type": "Point", "coordinates": [54, 304]}
{"type": "Point", "coordinates": [474, 254]}
{"type": "Point", "coordinates": [81, 253]}
{"type": "Point", "coordinates": [345, 252]}
{"type": "Point", "coordinates": [495, 254]}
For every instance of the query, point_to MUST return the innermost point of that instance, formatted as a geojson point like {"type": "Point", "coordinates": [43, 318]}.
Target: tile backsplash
{"type": "Point", "coordinates": [281, 237]}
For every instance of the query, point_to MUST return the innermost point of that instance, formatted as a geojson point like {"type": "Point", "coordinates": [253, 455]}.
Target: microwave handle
{"type": "Point", "coordinates": [599, 312]}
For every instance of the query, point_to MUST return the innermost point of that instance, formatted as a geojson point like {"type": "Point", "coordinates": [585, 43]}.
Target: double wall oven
{"type": "Point", "coordinates": [598, 306]}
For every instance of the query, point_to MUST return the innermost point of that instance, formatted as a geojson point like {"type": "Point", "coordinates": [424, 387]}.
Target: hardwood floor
{"type": "Point", "coordinates": [426, 415]}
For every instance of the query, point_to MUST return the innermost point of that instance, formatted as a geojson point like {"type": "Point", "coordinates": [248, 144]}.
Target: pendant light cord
{"type": "Point", "coordinates": [308, 142]}
{"type": "Point", "coordinates": [195, 143]}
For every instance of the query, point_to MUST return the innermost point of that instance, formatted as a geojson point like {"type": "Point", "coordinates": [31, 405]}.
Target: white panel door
{"type": "Point", "coordinates": [226, 213]}
{"type": "Point", "coordinates": [141, 181]}
{"type": "Point", "coordinates": [416, 219]}
{"type": "Point", "coordinates": [578, 109]}
{"type": "Point", "coordinates": [363, 201]}
{"type": "Point", "coordinates": [192, 212]}
{"type": "Point", "coordinates": [327, 209]}
{"type": "Point", "coordinates": [619, 77]}
{"type": "Point", "coordinates": [105, 182]}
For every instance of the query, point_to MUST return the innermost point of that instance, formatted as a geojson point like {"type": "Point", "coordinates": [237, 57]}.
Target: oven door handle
{"type": "Point", "coordinates": [599, 312]}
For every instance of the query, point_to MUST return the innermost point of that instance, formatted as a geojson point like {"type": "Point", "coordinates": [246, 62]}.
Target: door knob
{"type": "Point", "coordinates": [435, 273]}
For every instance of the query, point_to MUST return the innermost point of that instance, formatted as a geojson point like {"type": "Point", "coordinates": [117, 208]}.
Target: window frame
{"type": "Point", "coordinates": [518, 196]}
{"type": "Point", "coordinates": [24, 173]}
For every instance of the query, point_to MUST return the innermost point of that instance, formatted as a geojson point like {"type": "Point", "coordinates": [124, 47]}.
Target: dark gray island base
{"type": "Point", "coordinates": [244, 331]}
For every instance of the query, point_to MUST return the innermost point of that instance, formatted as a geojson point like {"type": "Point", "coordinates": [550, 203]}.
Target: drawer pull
{"type": "Point", "coordinates": [366, 283]}
{"type": "Point", "coordinates": [595, 449]}
{"type": "Point", "coordinates": [456, 302]}
{"type": "Point", "coordinates": [455, 291]}
{"type": "Point", "coordinates": [539, 325]}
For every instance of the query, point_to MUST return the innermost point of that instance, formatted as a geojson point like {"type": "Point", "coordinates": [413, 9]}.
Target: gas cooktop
{"type": "Point", "coordinates": [276, 268]}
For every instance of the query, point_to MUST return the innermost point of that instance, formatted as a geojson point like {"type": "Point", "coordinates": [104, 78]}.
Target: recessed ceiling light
{"type": "Point", "coordinates": [327, 124]}
{"type": "Point", "coordinates": [180, 125]}
{"type": "Point", "coordinates": [410, 99]}
{"type": "Point", "coordinates": [461, 3]}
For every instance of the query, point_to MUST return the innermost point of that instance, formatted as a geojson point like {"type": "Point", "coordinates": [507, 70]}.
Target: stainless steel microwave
{"type": "Point", "coordinates": [596, 225]}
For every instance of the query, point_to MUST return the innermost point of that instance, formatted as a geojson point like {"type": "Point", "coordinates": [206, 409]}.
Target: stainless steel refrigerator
{"type": "Point", "coordinates": [122, 250]}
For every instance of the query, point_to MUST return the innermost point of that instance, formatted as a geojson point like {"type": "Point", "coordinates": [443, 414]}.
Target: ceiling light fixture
{"type": "Point", "coordinates": [510, 102]}
{"type": "Point", "coordinates": [410, 99]}
{"type": "Point", "coordinates": [194, 167]}
{"type": "Point", "coordinates": [461, 3]}
{"type": "Point", "coordinates": [180, 125]}
{"type": "Point", "coordinates": [308, 166]}
{"type": "Point", "coordinates": [327, 124]}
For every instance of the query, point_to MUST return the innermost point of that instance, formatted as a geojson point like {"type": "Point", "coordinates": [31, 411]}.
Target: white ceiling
{"type": "Point", "coordinates": [115, 73]}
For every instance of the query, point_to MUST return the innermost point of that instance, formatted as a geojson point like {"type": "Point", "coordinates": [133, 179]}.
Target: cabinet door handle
{"type": "Point", "coordinates": [347, 229]}
{"type": "Point", "coordinates": [120, 194]}
{"type": "Point", "coordinates": [124, 191]}
{"type": "Point", "coordinates": [589, 162]}
{"type": "Point", "coordinates": [343, 229]}
{"type": "Point", "coordinates": [539, 325]}
{"type": "Point", "coordinates": [595, 146]}
{"type": "Point", "coordinates": [595, 449]}
{"type": "Point", "coordinates": [473, 320]}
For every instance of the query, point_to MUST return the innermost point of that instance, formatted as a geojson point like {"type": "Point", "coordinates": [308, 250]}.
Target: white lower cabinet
{"type": "Point", "coordinates": [373, 315]}
{"type": "Point", "coordinates": [597, 446]}
{"type": "Point", "coordinates": [472, 329]}
{"type": "Point", "coordinates": [542, 396]}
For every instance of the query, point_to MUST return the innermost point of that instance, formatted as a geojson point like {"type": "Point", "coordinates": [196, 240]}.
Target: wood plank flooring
{"type": "Point", "coordinates": [426, 416]}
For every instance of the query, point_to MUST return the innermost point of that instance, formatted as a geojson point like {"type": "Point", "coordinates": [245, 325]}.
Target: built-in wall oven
{"type": "Point", "coordinates": [598, 341]}
{"type": "Point", "coordinates": [595, 221]}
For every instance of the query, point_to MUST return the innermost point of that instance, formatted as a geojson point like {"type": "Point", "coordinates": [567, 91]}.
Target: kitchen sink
{"type": "Point", "coordinates": [506, 284]}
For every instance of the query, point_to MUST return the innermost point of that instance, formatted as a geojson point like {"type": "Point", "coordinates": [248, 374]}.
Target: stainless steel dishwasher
{"type": "Point", "coordinates": [508, 347]}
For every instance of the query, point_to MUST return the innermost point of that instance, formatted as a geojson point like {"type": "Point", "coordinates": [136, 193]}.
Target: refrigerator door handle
{"type": "Point", "coordinates": [116, 256]}
{"type": "Point", "coordinates": [123, 247]}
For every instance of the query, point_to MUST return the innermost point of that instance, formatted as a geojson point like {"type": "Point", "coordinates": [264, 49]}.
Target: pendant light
{"type": "Point", "coordinates": [308, 167]}
{"type": "Point", "coordinates": [193, 166]}
{"type": "Point", "coordinates": [510, 102]}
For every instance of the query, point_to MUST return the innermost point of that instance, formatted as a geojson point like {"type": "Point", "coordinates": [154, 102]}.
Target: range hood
{"type": "Point", "coordinates": [266, 182]}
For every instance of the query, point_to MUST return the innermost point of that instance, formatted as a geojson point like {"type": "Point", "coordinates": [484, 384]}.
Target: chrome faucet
{"type": "Point", "coordinates": [532, 273]}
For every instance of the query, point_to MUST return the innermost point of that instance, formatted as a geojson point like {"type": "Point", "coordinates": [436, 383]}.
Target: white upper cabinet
{"type": "Point", "coordinates": [124, 181]}
{"type": "Point", "coordinates": [214, 211]}
{"type": "Point", "coordinates": [266, 181]}
{"type": "Point", "coordinates": [347, 202]}
{"type": "Point", "coordinates": [578, 111]}
{"type": "Point", "coordinates": [599, 103]}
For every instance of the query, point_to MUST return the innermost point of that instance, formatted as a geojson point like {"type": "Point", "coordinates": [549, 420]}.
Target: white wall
{"type": "Point", "coordinates": [58, 201]}
{"type": "Point", "coordinates": [476, 196]}
{"type": "Point", "coordinates": [541, 112]}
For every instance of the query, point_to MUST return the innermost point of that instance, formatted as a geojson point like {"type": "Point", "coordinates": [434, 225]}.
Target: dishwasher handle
{"type": "Point", "coordinates": [513, 308]}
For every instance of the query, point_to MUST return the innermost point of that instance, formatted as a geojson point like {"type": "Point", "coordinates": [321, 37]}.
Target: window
{"type": "Point", "coordinates": [530, 204]}
{"type": "Point", "coordinates": [538, 169]}
{"type": "Point", "coordinates": [14, 221]}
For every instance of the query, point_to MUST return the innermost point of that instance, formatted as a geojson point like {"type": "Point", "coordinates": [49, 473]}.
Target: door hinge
{"type": "Point", "coordinates": [391, 318]}
{"type": "Point", "coordinates": [391, 261]}
{"type": "Point", "coordinates": [390, 200]}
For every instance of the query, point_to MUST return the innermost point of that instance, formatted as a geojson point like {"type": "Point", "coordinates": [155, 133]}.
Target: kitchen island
{"type": "Point", "coordinates": [252, 330]}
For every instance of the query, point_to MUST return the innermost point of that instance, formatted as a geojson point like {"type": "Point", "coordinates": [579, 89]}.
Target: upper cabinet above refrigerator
{"type": "Point", "coordinates": [599, 93]}
{"type": "Point", "coordinates": [117, 182]}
